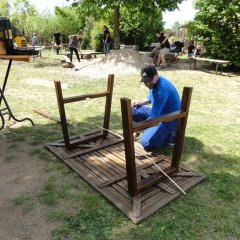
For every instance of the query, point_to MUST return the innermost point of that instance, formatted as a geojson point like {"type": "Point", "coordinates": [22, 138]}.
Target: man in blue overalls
{"type": "Point", "coordinates": [164, 99]}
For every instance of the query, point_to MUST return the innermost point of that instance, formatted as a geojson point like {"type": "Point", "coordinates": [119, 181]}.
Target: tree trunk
{"type": "Point", "coordinates": [116, 27]}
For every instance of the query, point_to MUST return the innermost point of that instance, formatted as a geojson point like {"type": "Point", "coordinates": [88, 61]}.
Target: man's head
{"type": "Point", "coordinates": [149, 76]}
{"type": "Point", "coordinates": [80, 33]}
{"type": "Point", "coordinates": [158, 33]}
{"type": "Point", "coordinates": [105, 28]}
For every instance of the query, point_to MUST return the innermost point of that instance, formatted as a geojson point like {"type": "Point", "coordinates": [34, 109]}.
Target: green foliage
{"type": "Point", "coordinates": [97, 35]}
{"type": "Point", "coordinates": [138, 27]}
{"type": "Point", "coordinates": [217, 26]}
{"type": "Point", "coordinates": [4, 8]}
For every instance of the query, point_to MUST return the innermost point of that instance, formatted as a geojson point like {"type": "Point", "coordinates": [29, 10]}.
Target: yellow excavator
{"type": "Point", "coordinates": [12, 41]}
{"type": "Point", "coordinates": [18, 38]}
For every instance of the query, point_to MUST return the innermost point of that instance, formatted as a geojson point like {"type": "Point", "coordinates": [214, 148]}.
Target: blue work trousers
{"type": "Point", "coordinates": [157, 136]}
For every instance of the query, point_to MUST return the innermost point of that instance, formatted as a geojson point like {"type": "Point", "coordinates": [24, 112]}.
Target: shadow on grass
{"type": "Point", "coordinates": [46, 63]}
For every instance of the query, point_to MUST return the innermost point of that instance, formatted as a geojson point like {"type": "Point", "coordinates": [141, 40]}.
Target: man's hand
{"type": "Point", "coordinates": [137, 104]}
{"type": "Point", "coordinates": [141, 103]}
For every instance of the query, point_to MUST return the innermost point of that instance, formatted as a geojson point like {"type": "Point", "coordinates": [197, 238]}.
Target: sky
{"type": "Point", "coordinates": [186, 11]}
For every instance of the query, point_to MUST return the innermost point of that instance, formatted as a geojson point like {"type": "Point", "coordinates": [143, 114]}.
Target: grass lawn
{"type": "Point", "coordinates": [211, 210]}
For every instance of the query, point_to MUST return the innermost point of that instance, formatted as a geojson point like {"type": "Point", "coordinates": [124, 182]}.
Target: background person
{"type": "Point", "coordinates": [191, 49]}
{"type": "Point", "coordinates": [164, 47]}
{"type": "Point", "coordinates": [34, 40]}
{"type": "Point", "coordinates": [106, 40]}
{"type": "Point", "coordinates": [74, 44]}
{"type": "Point", "coordinates": [164, 99]}
{"type": "Point", "coordinates": [57, 40]}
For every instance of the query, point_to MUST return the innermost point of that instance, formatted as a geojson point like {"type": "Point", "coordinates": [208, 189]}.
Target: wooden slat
{"type": "Point", "coordinates": [82, 152]}
{"type": "Point", "coordinates": [62, 113]}
{"type": "Point", "coordinates": [108, 103]}
{"type": "Point", "coordinates": [181, 127]}
{"type": "Point", "coordinates": [84, 97]}
{"type": "Point", "coordinates": [210, 60]}
{"type": "Point", "coordinates": [140, 126]}
{"type": "Point", "coordinates": [155, 178]}
{"type": "Point", "coordinates": [47, 115]}
{"type": "Point", "coordinates": [23, 58]}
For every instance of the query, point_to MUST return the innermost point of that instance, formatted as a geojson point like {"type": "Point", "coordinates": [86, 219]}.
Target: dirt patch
{"type": "Point", "coordinates": [121, 62]}
{"type": "Point", "coordinates": [20, 174]}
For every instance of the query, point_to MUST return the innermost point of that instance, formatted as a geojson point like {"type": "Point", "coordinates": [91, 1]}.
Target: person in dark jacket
{"type": "Point", "coordinates": [106, 40]}
{"type": "Point", "coordinates": [74, 44]}
{"type": "Point", "coordinates": [164, 47]}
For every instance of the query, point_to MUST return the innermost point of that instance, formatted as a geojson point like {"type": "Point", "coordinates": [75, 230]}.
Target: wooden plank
{"type": "Point", "coordinates": [112, 181]}
{"type": "Point", "coordinates": [211, 60]}
{"type": "Point", "coordinates": [113, 158]}
{"type": "Point", "coordinates": [62, 113]}
{"type": "Point", "coordinates": [109, 163]}
{"type": "Point", "coordinates": [82, 152]}
{"type": "Point", "coordinates": [84, 97]}
{"type": "Point", "coordinates": [187, 174]}
{"type": "Point", "coordinates": [47, 115]}
{"type": "Point", "coordinates": [181, 127]}
{"type": "Point", "coordinates": [162, 186]}
{"type": "Point", "coordinates": [155, 178]}
{"type": "Point", "coordinates": [23, 58]}
{"type": "Point", "coordinates": [108, 102]}
{"type": "Point", "coordinates": [129, 145]}
{"type": "Point", "coordinates": [140, 126]}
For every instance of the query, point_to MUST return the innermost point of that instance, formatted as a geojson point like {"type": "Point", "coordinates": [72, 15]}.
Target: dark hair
{"type": "Point", "coordinates": [157, 32]}
{"type": "Point", "coordinates": [105, 26]}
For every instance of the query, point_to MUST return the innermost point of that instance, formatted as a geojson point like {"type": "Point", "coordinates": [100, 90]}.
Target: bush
{"type": "Point", "coordinates": [97, 36]}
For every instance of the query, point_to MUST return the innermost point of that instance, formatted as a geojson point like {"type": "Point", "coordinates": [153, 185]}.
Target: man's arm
{"type": "Point", "coordinates": [157, 47]}
{"type": "Point", "coordinates": [158, 104]}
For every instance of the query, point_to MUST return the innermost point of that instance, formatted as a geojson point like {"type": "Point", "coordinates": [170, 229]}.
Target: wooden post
{"type": "Point", "coordinates": [129, 145]}
{"type": "Point", "coordinates": [108, 102]}
{"type": "Point", "coordinates": [62, 113]}
{"type": "Point", "coordinates": [180, 133]}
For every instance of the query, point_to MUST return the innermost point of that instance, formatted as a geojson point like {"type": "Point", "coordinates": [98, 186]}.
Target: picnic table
{"type": "Point", "coordinates": [7, 110]}
{"type": "Point", "coordinates": [217, 61]}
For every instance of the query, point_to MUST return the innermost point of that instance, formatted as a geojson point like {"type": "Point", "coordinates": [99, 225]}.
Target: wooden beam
{"type": "Point", "coordinates": [84, 97]}
{"type": "Point", "coordinates": [108, 102]}
{"type": "Point", "coordinates": [181, 127]}
{"type": "Point", "coordinates": [47, 115]}
{"type": "Point", "coordinates": [62, 113]}
{"type": "Point", "coordinates": [140, 126]}
{"type": "Point", "coordinates": [129, 145]}
{"type": "Point", "coordinates": [155, 178]}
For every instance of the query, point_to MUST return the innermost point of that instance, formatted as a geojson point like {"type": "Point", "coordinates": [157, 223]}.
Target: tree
{"type": "Point", "coordinates": [217, 25]}
{"type": "Point", "coordinates": [4, 8]}
{"type": "Point", "coordinates": [115, 5]}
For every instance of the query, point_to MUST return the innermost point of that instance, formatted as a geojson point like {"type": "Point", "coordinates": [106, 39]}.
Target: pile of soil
{"type": "Point", "coordinates": [121, 62]}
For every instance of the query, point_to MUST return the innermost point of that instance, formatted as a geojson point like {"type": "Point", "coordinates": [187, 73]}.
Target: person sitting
{"type": "Point", "coordinates": [164, 99]}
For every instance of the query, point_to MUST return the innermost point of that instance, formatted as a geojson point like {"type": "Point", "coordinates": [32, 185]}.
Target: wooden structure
{"type": "Point", "coordinates": [122, 171]}
{"type": "Point", "coordinates": [218, 62]}
{"type": "Point", "coordinates": [6, 110]}
{"type": "Point", "coordinates": [69, 142]}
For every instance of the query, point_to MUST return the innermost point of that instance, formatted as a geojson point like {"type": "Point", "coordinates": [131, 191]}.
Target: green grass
{"type": "Point", "coordinates": [211, 210]}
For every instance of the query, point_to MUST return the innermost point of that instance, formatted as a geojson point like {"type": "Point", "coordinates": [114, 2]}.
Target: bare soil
{"type": "Point", "coordinates": [21, 173]}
